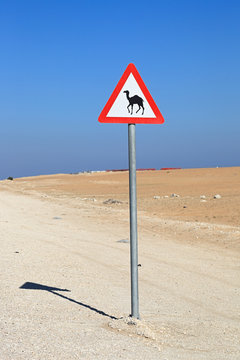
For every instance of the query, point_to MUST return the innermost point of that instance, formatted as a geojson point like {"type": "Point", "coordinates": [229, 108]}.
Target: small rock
{"type": "Point", "coordinates": [57, 218]}
{"type": "Point", "coordinates": [112, 201]}
{"type": "Point", "coordinates": [166, 196]}
{"type": "Point", "coordinates": [203, 200]}
{"type": "Point", "coordinates": [217, 196]}
{"type": "Point", "coordinates": [125, 241]}
{"type": "Point", "coordinates": [156, 197]}
{"type": "Point", "coordinates": [174, 195]}
{"type": "Point", "coordinates": [184, 206]}
{"type": "Point", "coordinates": [132, 322]}
{"type": "Point", "coordinates": [202, 197]}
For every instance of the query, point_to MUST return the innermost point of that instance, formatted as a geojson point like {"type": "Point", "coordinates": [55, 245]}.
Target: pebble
{"type": "Point", "coordinates": [156, 197]}
{"type": "Point", "coordinates": [125, 241]}
{"type": "Point", "coordinates": [202, 197]}
{"type": "Point", "coordinates": [112, 201]}
{"type": "Point", "coordinates": [174, 195]}
{"type": "Point", "coordinates": [217, 196]}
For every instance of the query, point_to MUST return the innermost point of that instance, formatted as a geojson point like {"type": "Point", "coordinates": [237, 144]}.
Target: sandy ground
{"type": "Point", "coordinates": [64, 270]}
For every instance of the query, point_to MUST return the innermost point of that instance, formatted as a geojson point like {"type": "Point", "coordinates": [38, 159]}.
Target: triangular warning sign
{"type": "Point", "coordinates": [131, 102]}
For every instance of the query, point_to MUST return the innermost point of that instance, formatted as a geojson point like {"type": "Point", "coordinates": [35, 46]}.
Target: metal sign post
{"type": "Point", "coordinates": [133, 220]}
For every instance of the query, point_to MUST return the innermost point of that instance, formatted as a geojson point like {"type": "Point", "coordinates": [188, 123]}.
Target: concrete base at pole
{"type": "Point", "coordinates": [133, 220]}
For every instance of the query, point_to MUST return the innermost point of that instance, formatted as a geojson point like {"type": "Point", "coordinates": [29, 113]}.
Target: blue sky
{"type": "Point", "coordinates": [61, 60]}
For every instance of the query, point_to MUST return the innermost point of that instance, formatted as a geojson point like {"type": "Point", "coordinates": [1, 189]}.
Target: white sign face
{"type": "Point", "coordinates": [131, 102]}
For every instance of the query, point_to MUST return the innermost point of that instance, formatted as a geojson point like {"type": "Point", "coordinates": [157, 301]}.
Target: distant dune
{"type": "Point", "coordinates": [189, 184]}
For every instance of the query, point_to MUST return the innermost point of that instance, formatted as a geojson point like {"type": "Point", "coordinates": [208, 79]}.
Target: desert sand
{"type": "Point", "coordinates": [65, 272]}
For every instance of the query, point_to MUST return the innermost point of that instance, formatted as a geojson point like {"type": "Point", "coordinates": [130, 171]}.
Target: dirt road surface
{"type": "Point", "coordinates": [65, 277]}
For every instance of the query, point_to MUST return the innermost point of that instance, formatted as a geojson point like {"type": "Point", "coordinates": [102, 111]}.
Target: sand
{"type": "Point", "coordinates": [65, 279]}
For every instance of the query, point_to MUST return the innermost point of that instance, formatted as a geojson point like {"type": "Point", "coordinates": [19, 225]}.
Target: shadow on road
{"type": "Point", "coordinates": [35, 286]}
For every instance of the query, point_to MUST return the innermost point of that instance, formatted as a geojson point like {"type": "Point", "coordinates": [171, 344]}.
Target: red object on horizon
{"type": "Point", "coordinates": [171, 168]}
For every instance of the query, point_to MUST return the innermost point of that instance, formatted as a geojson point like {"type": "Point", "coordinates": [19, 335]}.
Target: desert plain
{"type": "Point", "coordinates": [65, 266]}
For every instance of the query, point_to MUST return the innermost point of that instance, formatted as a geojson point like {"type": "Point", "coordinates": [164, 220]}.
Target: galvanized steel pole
{"type": "Point", "coordinates": [133, 220]}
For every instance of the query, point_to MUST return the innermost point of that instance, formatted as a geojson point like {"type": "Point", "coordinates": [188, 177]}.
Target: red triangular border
{"type": "Point", "coordinates": [131, 120]}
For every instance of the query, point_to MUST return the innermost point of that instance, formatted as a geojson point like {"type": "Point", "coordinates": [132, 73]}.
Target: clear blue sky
{"type": "Point", "coordinates": [61, 60]}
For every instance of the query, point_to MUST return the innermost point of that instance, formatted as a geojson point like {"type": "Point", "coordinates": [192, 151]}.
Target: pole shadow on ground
{"type": "Point", "coordinates": [52, 290]}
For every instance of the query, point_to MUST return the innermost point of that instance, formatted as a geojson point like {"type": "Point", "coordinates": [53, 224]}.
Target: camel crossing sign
{"type": "Point", "coordinates": [131, 102]}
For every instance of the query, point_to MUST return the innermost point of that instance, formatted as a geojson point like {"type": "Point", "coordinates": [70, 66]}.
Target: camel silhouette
{"type": "Point", "coordinates": [134, 100]}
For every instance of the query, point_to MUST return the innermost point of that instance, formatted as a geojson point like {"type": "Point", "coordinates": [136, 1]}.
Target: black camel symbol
{"type": "Point", "coordinates": [134, 100]}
